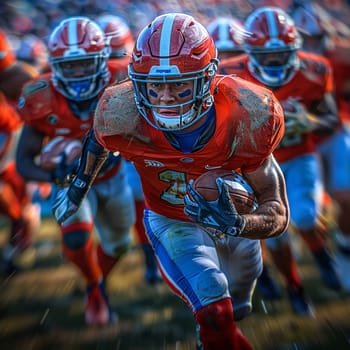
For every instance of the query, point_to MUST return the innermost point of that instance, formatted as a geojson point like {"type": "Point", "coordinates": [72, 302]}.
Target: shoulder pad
{"type": "Point", "coordinates": [116, 112]}
{"type": "Point", "coordinates": [36, 99]}
{"type": "Point", "coordinates": [257, 100]}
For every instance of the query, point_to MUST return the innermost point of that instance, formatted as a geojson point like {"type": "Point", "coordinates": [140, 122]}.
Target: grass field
{"type": "Point", "coordinates": [43, 308]}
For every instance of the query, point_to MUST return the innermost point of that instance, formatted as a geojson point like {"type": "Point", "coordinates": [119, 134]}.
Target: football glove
{"type": "Point", "coordinates": [63, 206]}
{"type": "Point", "coordinates": [298, 121]}
{"type": "Point", "coordinates": [63, 174]}
{"type": "Point", "coordinates": [68, 201]}
{"type": "Point", "coordinates": [220, 214]}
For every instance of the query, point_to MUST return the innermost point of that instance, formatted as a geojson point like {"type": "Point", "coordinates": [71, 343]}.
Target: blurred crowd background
{"type": "Point", "coordinates": [31, 21]}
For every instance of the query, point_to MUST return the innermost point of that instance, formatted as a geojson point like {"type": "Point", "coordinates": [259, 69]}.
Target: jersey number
{"type": "Point", "coordinates": [174, 194]}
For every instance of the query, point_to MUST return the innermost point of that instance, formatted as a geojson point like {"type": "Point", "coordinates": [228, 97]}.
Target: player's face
{"type": "Point", "coordinates": [79, 68]}
{"type": "Point", "coordinates": [273, 59]}
{"type": "Point", "coordinates": [170, 94]}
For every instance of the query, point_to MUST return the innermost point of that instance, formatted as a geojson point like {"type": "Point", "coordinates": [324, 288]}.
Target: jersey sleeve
{"type": "Point", "coordinates": [116, 114]}
{"type": "Point", "coordinates": [36, 100]}
{"type": "Point", "coordinates": [257, 121]}
{"type": "Point", "coordinates": [7, 57]}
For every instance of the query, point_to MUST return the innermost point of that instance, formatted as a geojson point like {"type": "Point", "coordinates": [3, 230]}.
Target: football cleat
{"type": "Point", "coordinates": [342, 260]}
{"type": "Point", "coordinates": [98, 311]}
{"type": "Point", "coordinates": [199, 344]}
{"type": "Point", "coordinates": [267, 287]}
{"type": "Point", "coordinates": [343, 268]}
{"type": "Point", "coordinates": [19, 254]}
{"type": "Point", "coordinates": [298, 301]}
{"type": "Point", "coordinates": [325, 263]}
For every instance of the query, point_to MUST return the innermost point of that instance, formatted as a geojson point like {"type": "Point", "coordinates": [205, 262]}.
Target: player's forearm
{"type": "Point", "coordinates": [269, 220]}
{"type": "Point", "coordinates": [326, 116]}
{"type": "Point", "coordinates": [91, 161]}
{"type": "Point", "coordinates": [326, 124]}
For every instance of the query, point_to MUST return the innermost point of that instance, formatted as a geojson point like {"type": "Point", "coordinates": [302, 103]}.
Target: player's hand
{"type": "Point", "coordinates": [63, 174]}
{"type": "Point", "coordinates": [298, 120]}
{"type": "Point", "coordinates": [63, 207]}
{"type": "Point", "coordinates": [220, 214]}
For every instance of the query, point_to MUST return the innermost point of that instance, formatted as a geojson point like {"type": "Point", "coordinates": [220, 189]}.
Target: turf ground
{"type": "Point", "coordinates": [43, 308]}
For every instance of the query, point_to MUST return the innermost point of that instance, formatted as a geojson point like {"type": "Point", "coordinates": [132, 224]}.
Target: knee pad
{"type": "Point", "coordinates": [75, 239]}
{"type": "Point", "coordinates": [211, 285]}
{"type": "Point", "coordinates": [117, 249]}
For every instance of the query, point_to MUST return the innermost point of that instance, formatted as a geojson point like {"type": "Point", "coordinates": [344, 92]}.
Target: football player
{"type": "Point", "coordinates": [15, 198]}
{"type": "Point", "coordinates": [227, 33]}
{"type": "Point", "coordinates": [121, 43]}
{"type": "Point", "coordinates": [328, 36]}
{"type": "Point", "coordinates": [33, 50]}
{"type": "Point", "coordinates": [175, 120]}
{"type": "Point", "coordinates": [62, 102]}
{"type": "Point", "coordinates": [303, 83]}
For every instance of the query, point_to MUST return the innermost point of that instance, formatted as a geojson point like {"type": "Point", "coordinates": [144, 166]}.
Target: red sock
{"type": "Point", "coordinates": [105, 261]}
{"type": "Point", "coordinates": [139, 227]}
{"type": "Point", "coordinates": [218, 329]}
{"type": "Point", "coordinates": [286, 264]}
{"type": "Point", "coordinates": [315, 239]}
{"type": "Point", "coordinates": [85, 259]}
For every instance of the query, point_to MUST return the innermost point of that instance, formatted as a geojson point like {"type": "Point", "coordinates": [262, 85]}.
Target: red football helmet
{"type": "Point", "coordinates": [317, 27]}
{"type": "Point", "coordinates": [33, 50]}
{"type": "Point", "coordinates": [228, 34]}
{"type": "Point", "coordinates": [79, 39]}
{"type": "Point", "coordinates": [272, 45]}
{"type": "Point", "coordinates": [118, 34]}
{"type": "Point", "coordinates": [174, 48]}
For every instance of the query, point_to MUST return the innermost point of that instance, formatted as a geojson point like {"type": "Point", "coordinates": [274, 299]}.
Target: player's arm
{"type": "Point", "coordinates": [271, 218]}
{"type": "Point", "coordinates": [13, 78]}
{"type": "Point", "coordinates": [326, 115]}
{"type": "Point", "coordinates": [321, 118]}
{"type": "Point", "coordinates": [29, 146]}
{"type": "Point", "coordinates": [69, 199]}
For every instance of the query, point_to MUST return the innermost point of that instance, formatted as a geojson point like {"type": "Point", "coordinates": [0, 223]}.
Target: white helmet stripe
{"type": "Point", "coordinates": [271, 20]}
{"type": "Point", "coordinates": [72, 35]}
{"type": "Point", "coordinates": [223, 32]}
{"type": "Point", "coordinates": [165, 39]}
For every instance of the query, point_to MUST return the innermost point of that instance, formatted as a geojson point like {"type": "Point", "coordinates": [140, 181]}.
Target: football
{"type": "Point", "coordinates": [240, 191]}
{"type": "Point", "coordinates": [52, 152]}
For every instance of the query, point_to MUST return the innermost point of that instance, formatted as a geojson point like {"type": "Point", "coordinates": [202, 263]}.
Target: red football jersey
{"type": "Point", "coordinates": [249, 126]}
{"type": "Point", "coordinates": [43, 108]}
{"type": "Point", "coordinates": [119, 67]}
{"type": "Point", "coordinates": [339, 56]}
{"type": "Point", "coordinates": [7, 57]}
{"type": "Point", "coordinates": [308, 86]}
